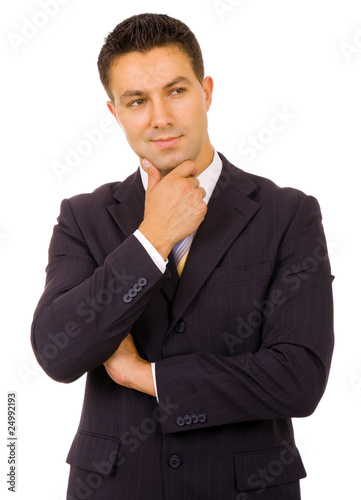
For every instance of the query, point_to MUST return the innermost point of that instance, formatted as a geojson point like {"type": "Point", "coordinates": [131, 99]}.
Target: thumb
{"type": "Point", "coordinates": [154, 176]}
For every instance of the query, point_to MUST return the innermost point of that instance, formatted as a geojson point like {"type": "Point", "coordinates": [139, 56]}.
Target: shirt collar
{"type": "Point", "coordinates": [207, 179]}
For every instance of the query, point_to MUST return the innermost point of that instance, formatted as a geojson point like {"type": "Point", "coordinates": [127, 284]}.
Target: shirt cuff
{"type": "Point", "coordinates": [154, 381]}
{"type": "Point", "coordinates": [151, 251]}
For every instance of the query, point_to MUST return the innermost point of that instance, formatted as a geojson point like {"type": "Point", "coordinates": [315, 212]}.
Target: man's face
{"type": "Point", "coordinates": [162, 107]}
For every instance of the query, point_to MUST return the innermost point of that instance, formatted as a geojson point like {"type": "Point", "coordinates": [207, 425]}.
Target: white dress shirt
{"type": "Point", "coordinates": [207, 180]}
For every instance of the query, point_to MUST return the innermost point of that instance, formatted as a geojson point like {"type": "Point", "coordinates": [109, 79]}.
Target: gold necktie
{"type": "Point", "coordinates": [181, 251]}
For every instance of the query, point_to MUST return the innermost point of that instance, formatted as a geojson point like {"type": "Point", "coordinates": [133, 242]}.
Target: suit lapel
{"type": "Point", "coordinates": [229, 211]}
{"type": "Point", "coordinates": [129, 210]}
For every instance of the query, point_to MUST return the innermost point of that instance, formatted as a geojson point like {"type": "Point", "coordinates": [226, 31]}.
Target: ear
{"type": "Point", "coordinates": [113, 111]}
{"type": "Point", "coordinates": [111, 108]}
{"type": "Point", "coordinates": [208, 90]}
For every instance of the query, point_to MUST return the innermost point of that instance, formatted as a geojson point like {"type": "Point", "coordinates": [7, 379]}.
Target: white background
{"type": "Point", "coordinates": [304, 57]}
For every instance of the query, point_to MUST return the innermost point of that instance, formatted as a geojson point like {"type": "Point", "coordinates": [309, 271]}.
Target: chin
{"type": "Point", "coordinates": [166, 167]}
{"type": "Point", "coordinates": [167, 163]}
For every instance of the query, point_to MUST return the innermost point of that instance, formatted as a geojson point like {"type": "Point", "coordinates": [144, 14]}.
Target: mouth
{"type": "Point", "coordinates": [168, 142]}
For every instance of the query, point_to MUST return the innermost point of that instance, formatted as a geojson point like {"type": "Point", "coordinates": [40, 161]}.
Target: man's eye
{"type": "Point", "coordinates": [136, 103]}
{"type": "Point", "coordinates": [178, 91]}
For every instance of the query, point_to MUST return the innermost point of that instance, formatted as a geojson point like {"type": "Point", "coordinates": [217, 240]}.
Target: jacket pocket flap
{"type": "Point", "coordinates": [257, 471]}
{"type": "Point", "coordinates": [94, 452]}
{"type": "Point", "coordinates": [251, 271]}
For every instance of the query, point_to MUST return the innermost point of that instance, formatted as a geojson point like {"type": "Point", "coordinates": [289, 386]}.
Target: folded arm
{"type": "Point", "coordinates": [86, 310]}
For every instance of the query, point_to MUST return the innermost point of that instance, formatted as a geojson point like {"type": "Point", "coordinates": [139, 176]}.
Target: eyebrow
{"type": "Point", "coordinates": [140, 93]}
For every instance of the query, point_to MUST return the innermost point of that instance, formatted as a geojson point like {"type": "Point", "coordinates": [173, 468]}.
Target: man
{"type": "Point", "coordinates": [196, 297]}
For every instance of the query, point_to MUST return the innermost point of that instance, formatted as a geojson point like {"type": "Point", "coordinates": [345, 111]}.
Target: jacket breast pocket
{"type": "Point", "coordinates": [260, 470]}
{"type": "Point", "coordinates": [234, 274]}
{"type": "Point", "coordinates": [95, 453]}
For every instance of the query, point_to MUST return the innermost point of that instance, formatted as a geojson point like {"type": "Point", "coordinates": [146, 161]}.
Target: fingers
{"type": "Point", "coordinates": [202, 191]}
{"type": "Point", "coordinates": [126, 345]}
{"type": "Point", "coordinates": [154, 176]}
{"type": "Point", "coordinates": [147, 163]}
{"type": "Point", "coordinates": [185, 169]}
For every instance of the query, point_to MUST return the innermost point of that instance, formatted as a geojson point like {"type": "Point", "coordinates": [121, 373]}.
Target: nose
{"type": "Point", "coordinates": [160, 114]}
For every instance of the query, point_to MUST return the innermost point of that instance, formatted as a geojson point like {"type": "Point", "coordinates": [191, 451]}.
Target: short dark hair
{"type": "Point", "coordinates": [144, 32]}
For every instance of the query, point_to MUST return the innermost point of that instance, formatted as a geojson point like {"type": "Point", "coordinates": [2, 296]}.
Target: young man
{"type": "Point", "coordinates": [196, 297]}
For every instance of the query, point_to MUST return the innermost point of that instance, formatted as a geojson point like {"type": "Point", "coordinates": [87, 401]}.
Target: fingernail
{"type": "Point", "coordinates": [146, 163]}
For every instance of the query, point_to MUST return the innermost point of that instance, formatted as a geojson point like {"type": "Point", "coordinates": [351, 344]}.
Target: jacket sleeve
{"type": "Point", "coordinates": [86, 311]}
{"type": "Point", "coordinates": [287, 375]}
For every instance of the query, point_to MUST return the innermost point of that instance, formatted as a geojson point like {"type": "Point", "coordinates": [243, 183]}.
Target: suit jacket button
{"type": "Point", "coordinates": [194, 418]}
{"type": "Point", "coordinates": [174, 461]}
{"type": "Point", "coordinates": [142, 281]}
{"type": "Point", "coordinates": [137, 287]}
{"type": "Point", "coordinates": [202, 417]}
{"type": "Point", "coordinates": [127, 298]}
{"type": "Point", "coordinates": [187, 419]}
{"type": "Point", "coordinates": [132, 293]}
{"type": "Point", "coordinates": [180, 421]}
{"type": "Point", "coordinates": [180, 327]}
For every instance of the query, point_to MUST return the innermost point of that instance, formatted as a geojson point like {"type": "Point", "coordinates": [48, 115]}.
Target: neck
{"type": "Point", "coordinates": [205, 157]}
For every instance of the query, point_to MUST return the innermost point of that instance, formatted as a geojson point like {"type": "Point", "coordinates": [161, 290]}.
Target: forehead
{"type": "Point", "coordinates": [147, 70]}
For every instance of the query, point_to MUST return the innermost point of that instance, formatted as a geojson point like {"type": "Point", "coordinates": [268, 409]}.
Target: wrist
{"type": "Point", "coordinates": [162, 244]}
{"type": "Point", "coordinates": [141, 378]}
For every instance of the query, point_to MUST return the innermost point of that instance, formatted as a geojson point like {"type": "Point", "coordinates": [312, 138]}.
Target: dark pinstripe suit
{"type": "Point", "coordinates": [242, 343]}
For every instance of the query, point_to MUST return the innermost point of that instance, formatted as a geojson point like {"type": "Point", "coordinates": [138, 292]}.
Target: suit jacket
{"type": "Point", "coordinates": [242, 342]}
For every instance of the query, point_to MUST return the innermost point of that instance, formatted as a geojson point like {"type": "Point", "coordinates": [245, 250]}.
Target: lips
{"type": "Point", "coordinates": [167, 142]}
